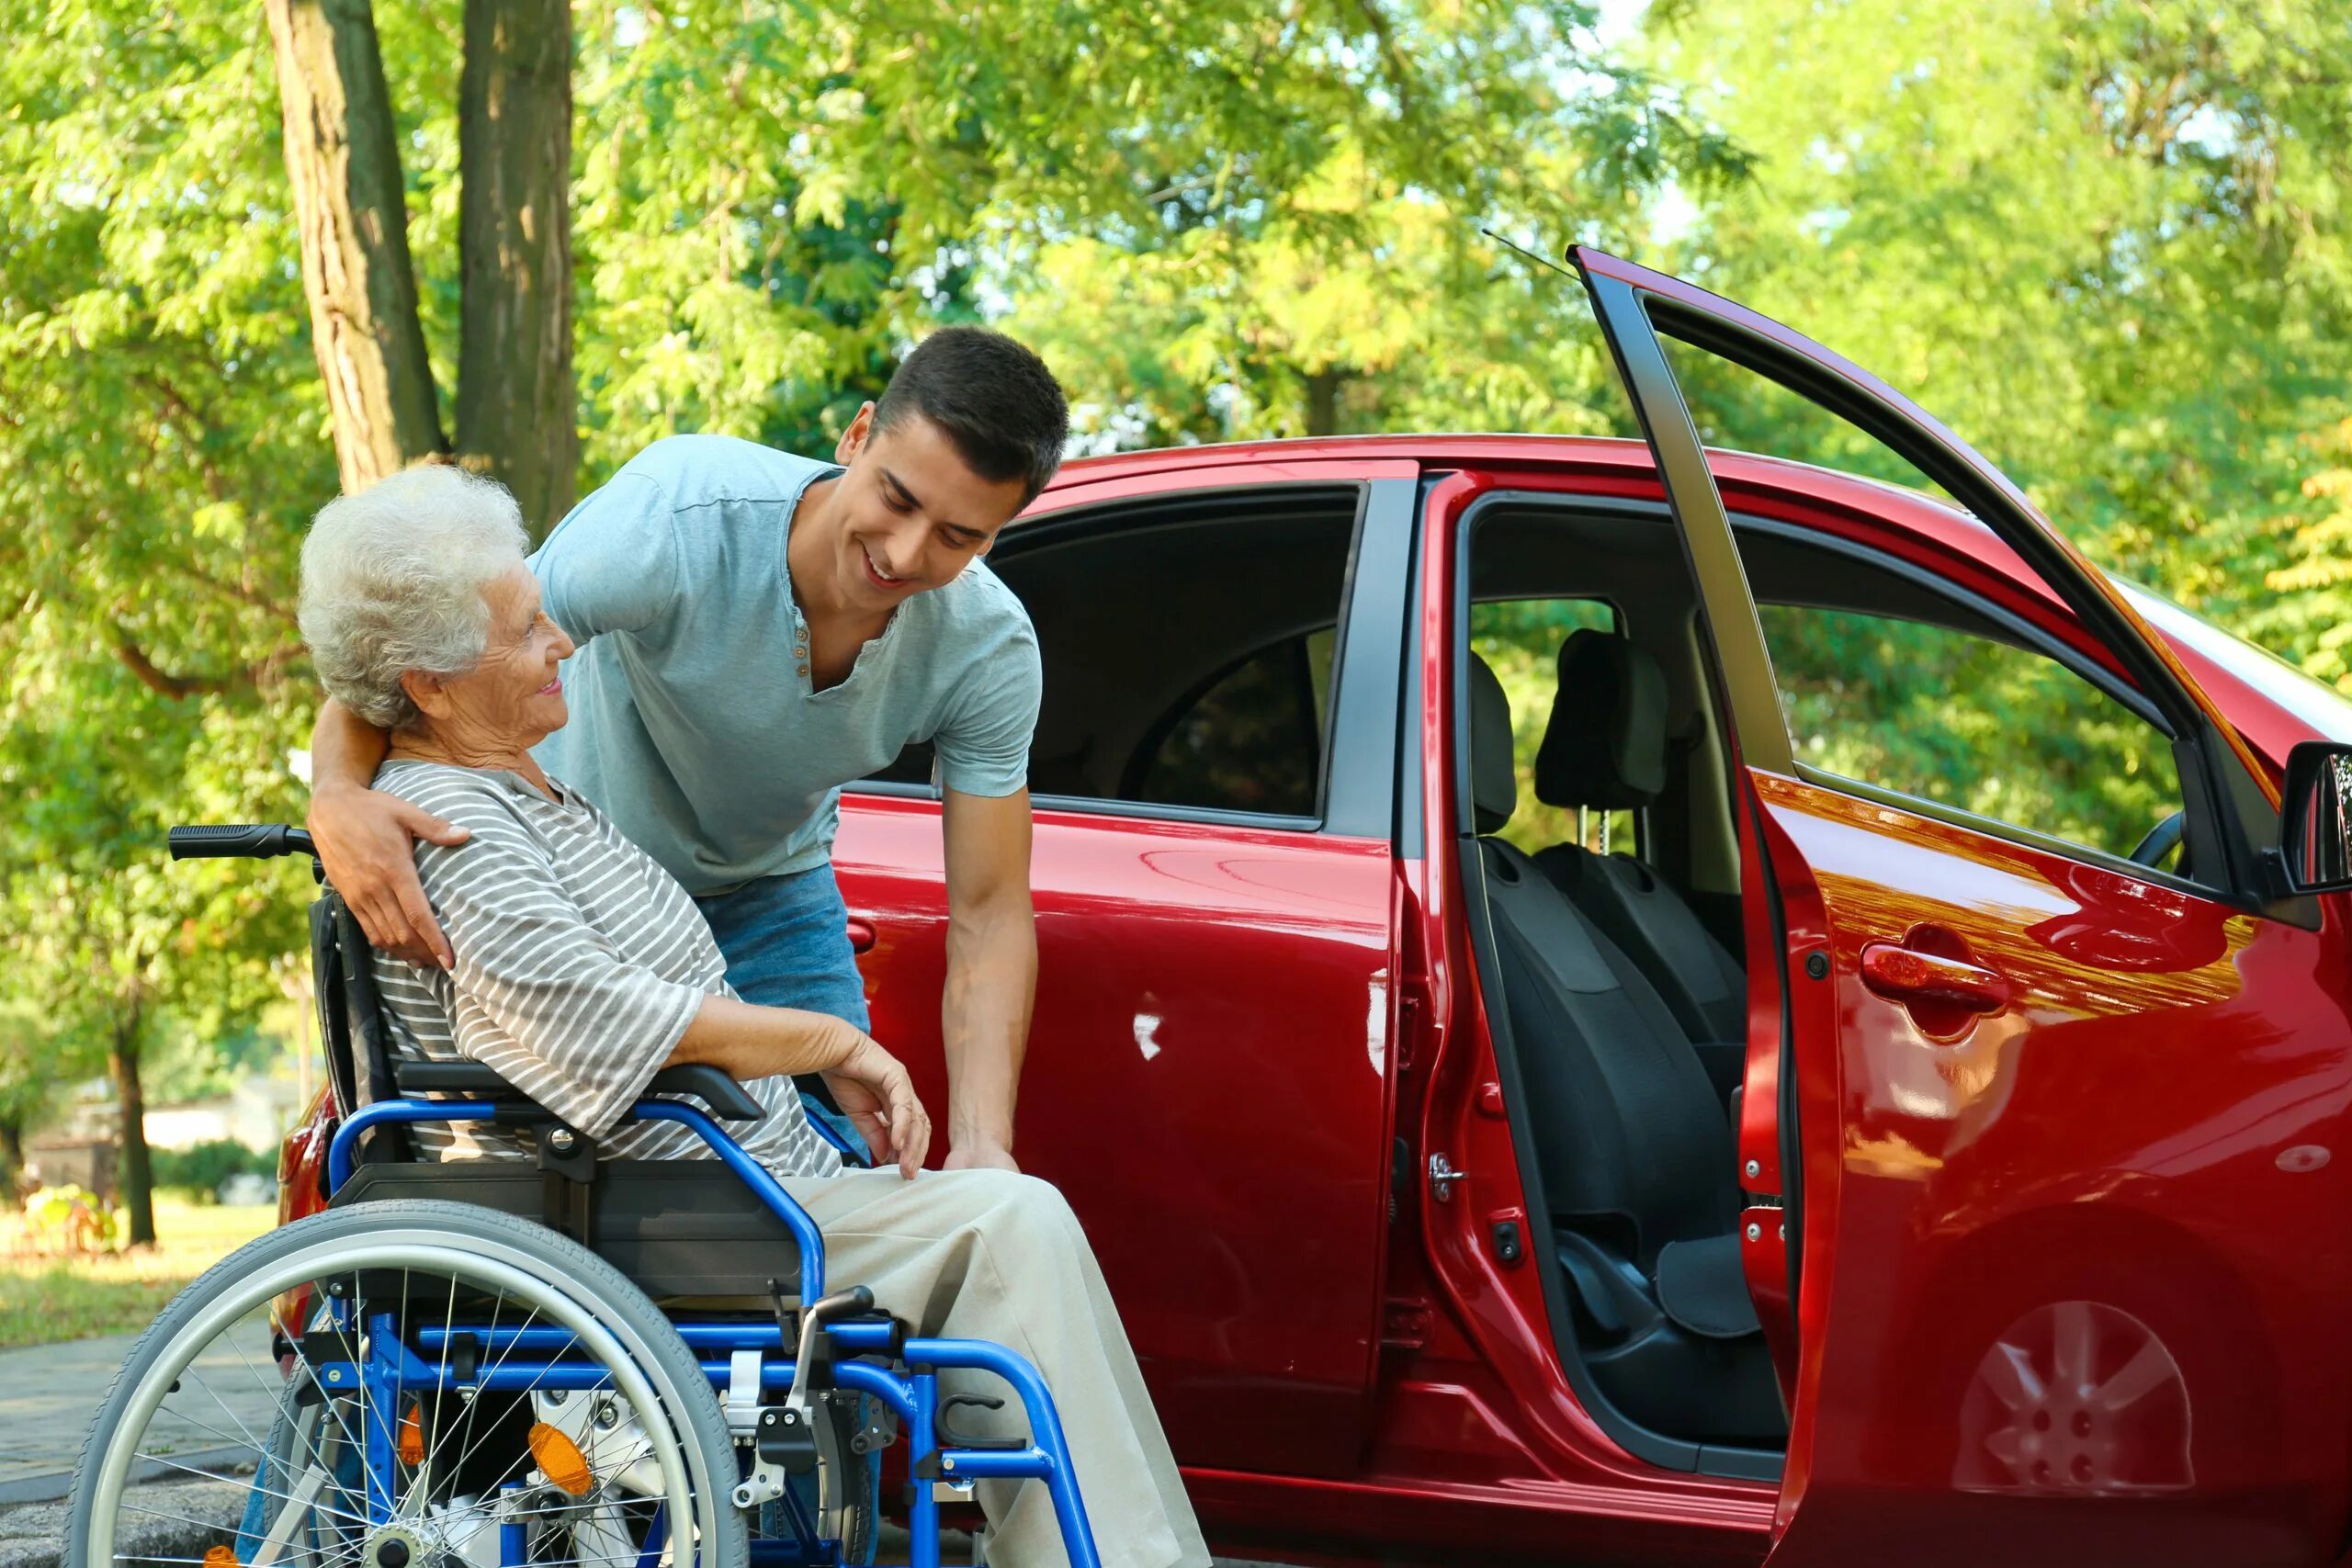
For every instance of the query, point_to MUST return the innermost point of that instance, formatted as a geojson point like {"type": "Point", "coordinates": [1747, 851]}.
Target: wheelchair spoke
{"type": "Point", "coordinates": [468, 1452]}
{"type": "Point", "coordinates": [261, 1449]}
{"type": "Point", "coordinates": [433, 1437]}
{"type": "Point", "coordinates": [207, 1475]}
{"type": "Point", "coordinates": [302, 1360]}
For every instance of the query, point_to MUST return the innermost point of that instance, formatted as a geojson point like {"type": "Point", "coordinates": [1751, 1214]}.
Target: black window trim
{"type": "Point", "coordinates": [1360, 760]}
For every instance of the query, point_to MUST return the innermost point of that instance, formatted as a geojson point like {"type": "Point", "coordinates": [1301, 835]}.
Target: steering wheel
{"type": "Point", "coordinates": [2162, 840]}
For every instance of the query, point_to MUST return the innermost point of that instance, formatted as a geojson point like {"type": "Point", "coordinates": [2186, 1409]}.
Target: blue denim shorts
{"type": "Point", "coordinates": [786, 943]}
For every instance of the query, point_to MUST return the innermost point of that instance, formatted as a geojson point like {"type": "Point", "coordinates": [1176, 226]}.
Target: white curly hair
{"type": "Point", "coordinates": [393, 580]}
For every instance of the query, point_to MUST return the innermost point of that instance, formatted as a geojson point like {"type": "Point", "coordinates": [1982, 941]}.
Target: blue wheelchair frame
{"type": "Point", "coordinates": [390, 1368]}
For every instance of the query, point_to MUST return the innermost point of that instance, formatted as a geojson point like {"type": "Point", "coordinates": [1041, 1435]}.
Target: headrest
{"type": "Point", "coordinates": [1605, 747]}
{"type": "Point", "coordinates": [1494, 780]}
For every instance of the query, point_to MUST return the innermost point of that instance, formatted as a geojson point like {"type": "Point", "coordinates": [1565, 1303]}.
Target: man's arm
{"type": "Point", "coordinates": [365, 839]}
{"type": "Point", "coordinates": [992, 973]}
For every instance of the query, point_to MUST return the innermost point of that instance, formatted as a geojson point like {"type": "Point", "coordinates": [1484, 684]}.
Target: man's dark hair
{"type": "Point", "coordinates": [997, 402]}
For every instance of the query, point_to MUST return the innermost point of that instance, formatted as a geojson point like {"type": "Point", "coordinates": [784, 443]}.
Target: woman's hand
{"type": "Point", "coordinates": [873, 1092]}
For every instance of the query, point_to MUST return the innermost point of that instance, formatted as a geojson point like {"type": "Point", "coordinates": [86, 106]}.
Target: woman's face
{"type": "Point", "coordinates": [515, 697]}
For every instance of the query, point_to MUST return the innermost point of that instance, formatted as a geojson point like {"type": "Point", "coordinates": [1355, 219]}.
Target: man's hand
{"type": "Point", "coordinates": [873, 1090]}
{"type": "Point", "coordinates": [365, 840]}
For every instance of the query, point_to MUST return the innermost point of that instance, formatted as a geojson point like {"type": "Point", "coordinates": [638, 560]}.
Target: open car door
{"type": "Point", "coordinates": [2045, 1143]}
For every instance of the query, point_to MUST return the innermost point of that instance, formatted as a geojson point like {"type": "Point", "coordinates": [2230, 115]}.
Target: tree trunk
{"type": "Point", "coordinates": [12, 1161]}
{"type": "Point", "coordinates": [1323, 403]}
{"type": "Point", "coordinates": [137, 1176]}
{"type": "Point", "coordinates": [517, 416]}
{"type": "Point", "coordinates": [343, 157]}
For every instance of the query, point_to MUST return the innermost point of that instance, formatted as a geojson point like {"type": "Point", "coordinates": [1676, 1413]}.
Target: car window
{"type": "Point", "coordinates": [1519, 640]}
{"type": "Point", "coordinates": [1188, 650]}
{"type": "Point", "coordinates": [1969, 721]}
{"type": "Point", "coordinates": [1252, 741]}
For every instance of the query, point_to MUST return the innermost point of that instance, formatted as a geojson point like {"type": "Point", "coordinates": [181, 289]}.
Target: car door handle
{"type": "Point", "coordinates": [1935, 982]}
{"type": "Point", "coordinates": [861, 934]}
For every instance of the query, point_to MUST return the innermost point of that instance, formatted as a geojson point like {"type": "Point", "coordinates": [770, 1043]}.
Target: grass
{"type": "Point", "coordinates": [45, 1299]}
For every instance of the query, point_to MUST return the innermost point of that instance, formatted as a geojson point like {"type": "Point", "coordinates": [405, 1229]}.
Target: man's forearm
{"type": "Point", "coordinates": [984, 1020]}
{"type": "Point", "coordinates": [345, 749]}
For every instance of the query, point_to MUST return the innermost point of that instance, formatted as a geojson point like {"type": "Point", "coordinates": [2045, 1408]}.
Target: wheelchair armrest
{"type": "Point", "coordinates": [453, 1078]}
{"type": "Point", "coordinates": [729, 1100]}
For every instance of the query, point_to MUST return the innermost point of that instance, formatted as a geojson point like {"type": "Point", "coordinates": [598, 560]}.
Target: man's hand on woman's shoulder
{"type": "Point", "coordinates": [366, 839]}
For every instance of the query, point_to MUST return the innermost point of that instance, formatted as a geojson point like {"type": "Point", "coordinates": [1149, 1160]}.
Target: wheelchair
{"type": "Point", "coordinates": [565, 1360]}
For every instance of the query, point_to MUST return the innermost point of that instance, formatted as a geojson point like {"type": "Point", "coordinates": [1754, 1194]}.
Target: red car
{"type": "Point", "coordinates": [1918, 1137]}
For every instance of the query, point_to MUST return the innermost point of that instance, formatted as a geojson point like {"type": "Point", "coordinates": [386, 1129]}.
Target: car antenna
{"type": "Point", "coordinates": [1523, 250]}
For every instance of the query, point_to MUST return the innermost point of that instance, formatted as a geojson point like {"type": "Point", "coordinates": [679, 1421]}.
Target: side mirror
{"type": "Point", "coordinates": [2315, 840]}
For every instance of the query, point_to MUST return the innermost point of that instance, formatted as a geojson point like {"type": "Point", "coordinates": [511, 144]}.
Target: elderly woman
{"type": "Point", "coordinates": [583, 967]}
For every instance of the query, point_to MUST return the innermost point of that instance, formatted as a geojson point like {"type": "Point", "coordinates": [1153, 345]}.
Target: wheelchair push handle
{"type": "Point", "coordinates": [257, 840]}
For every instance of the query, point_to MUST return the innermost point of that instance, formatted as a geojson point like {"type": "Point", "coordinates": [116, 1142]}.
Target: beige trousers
{"type": "Point", "coordinates": [990, 1255]}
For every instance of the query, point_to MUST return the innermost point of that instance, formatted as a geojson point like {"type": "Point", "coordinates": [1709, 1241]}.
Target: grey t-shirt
{"type": "Point", "coordinates": [693, 722]}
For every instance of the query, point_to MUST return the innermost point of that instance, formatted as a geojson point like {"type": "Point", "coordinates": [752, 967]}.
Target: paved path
{"type": "Point", "coordinates": [49, 1393]}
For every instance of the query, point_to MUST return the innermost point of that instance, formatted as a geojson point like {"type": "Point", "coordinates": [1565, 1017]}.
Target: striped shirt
{"type": "Point", "coordinates": [580, 963]}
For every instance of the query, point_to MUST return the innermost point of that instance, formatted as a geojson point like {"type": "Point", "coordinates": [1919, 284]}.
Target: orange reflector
{"type": "Point", "coordinates": [560, 1457]}
{"type": "Point", "coordinates": [220, 1557]}
{"type": "Point", "coordinates": [411, 1439]}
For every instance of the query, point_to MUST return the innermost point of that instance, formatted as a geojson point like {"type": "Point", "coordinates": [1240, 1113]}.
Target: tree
{"type": "Point", "coordinates": [237, 270]}
{"type": "Point", "coordinates": [160, 443]}
{"type": "Point", "coordinates": [343, 163]}
{"type": "Point", "coordinates": [2105, 241]}
{"type": "Point", "coordinates": [27, 1053]}
{"type": "Point", "coordinates": [105, 934]}
{"type": "Point", "coordinates": [517, 414]}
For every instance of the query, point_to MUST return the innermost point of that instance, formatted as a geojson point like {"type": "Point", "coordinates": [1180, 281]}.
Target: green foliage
{"type": "Point", "coordinates": [2105, 239]}
{"type": "Point", "coordinates": [769, 203]}
{"type": "Point", "coordinates": [70, 1216]}
{"type": "Point", "coordinates": [1981, 725]}
{"type": "Point", "coordinates": [2106, 242]}
{"type": "Point", "coordinates": [195, 1174]}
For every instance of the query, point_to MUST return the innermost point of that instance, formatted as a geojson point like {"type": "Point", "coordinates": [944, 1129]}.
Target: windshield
{"type": "Point", "coordinates": [2314, 701]}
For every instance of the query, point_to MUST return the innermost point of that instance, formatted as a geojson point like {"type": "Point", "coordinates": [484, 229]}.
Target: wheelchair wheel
{"type": "Point", "coordinates": [462, 1390]}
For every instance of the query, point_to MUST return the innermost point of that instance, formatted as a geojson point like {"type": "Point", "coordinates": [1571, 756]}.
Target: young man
{"type": "Point", "coordinates": [757, 629]}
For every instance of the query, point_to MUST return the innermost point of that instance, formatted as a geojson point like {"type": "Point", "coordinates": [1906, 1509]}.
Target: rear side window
{"type": "Point", "coordinates": [1253, 741]}
{"type": "Point", "coordinates": [1972, 722]}
{"type": "Point", "coordinates": [1188, 651]}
